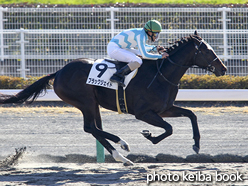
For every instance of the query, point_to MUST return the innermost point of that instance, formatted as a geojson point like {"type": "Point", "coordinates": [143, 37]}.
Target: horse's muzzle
{"type": "Point", "coordinates": [224, 71]}
{"type": "Point", "coordinates": [220, 71]}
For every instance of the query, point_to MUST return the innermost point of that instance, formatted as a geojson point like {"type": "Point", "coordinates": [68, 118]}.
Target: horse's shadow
{"type": "Point", "coordinates": [61, 175]}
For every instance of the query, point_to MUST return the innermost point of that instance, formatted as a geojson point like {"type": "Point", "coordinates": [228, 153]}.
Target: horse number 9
{"type": "Point", "coordinates": [102, 68]}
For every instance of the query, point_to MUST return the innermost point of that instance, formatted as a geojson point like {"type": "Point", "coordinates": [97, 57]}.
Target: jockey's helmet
{"type": "Point", "coordinates": [154, 27]}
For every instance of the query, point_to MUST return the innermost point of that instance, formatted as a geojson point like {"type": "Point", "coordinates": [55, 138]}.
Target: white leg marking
{"type": "Point", "coordinates": [124, 145]}
{"type": "Point", "coordinates": [118, 157]}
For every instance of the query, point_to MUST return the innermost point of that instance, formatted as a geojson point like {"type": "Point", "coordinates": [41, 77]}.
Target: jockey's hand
{"type": "Point", "coordinates": [165, 55]}
{"type": "Point", "coordinates": [160, 49]}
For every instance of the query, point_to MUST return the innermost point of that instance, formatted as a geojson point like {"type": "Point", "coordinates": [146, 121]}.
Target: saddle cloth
{"type": "Point", "coordinates": [100, 73]}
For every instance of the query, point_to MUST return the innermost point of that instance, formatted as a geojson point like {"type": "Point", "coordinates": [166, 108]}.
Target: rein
{"type": "Point", "coordinates": [198, 51]}
{"type": "Point", "coordinates": [161, 74]}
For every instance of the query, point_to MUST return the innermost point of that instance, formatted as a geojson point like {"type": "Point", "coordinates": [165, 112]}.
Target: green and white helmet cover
{"type": "Point", "coordinates": [153, 26]}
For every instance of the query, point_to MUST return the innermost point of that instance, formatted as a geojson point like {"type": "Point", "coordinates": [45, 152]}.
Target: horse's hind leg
{"type": "Point", "coordinates": [116, 155]}
{"type": "Point", "coordinates": [93, 125]}
{"type": "Point", "coordinates": [109, 136]}
{"type": "Point", "coordinates": [85, 101]}
{"type": "Point", "coordinates": [175, 111]}
{"type": "Point", "coordinates": [90, 112]}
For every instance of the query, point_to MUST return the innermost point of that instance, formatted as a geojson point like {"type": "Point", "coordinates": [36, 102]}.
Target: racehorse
{"type": "Point", "coordinates": [150, 95]}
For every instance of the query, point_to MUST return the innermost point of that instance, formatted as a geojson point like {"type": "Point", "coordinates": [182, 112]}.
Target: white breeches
{"type": "Point", "coordinates": [125, 55]}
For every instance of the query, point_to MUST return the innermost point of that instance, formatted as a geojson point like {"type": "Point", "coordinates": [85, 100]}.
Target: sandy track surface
{"type": "Point", "coordinates": [115, 174]}
{"type": "Point", "coordinates": [58, 132]}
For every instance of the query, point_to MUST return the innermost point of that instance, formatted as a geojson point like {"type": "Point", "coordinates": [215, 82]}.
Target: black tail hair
{"type": "Point", "coordinates": [31, 92]}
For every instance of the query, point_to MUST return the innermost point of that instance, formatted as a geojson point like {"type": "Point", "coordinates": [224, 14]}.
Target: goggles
{"type": "Point", "coordinates": [156, 35]}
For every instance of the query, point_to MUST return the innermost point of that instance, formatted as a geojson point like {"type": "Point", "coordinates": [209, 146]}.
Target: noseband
{"type": "Point", "coordinates": [209, 68]}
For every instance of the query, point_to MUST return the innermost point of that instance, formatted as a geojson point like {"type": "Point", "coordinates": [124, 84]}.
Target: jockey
{"type": "Point", "coordinates": [121, 47]}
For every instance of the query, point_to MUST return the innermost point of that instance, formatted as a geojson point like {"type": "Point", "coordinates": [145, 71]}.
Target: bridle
{"type": "Point", "coordinates": [209, 68]}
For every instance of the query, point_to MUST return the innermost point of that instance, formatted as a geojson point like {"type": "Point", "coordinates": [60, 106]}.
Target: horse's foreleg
{"type": "Point", "coordinates": [155, 120]}
{"type": "Point", "coordinates": [175, 111]}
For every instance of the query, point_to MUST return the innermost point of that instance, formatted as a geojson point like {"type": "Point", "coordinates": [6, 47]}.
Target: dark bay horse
{"type": "Point", "coordinates": [150, 95]}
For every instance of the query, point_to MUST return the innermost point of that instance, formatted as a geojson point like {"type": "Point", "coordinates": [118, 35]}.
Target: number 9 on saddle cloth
{"type": "Point", "coordinates": [100, 74]}
{"type": "Point", "coordinates": [103, 69]}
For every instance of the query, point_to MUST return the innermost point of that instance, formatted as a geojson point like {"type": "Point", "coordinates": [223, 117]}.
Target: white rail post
{"type": "Point", "coordinates": [112, 19]}
{"type": "Point", "coordinates": [23, 62]}
{"type": "Point", "coordinates": [224, 23]}
{"type": "Point", "coordinates": [1, 33]}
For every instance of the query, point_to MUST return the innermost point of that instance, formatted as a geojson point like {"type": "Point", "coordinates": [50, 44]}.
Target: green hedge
{"type": "Point", "coordinates": [212, 82]}
{"type": "Point", "coordinates": [187, 82]}
{"type": "Point", "coordinates": [8, 82]}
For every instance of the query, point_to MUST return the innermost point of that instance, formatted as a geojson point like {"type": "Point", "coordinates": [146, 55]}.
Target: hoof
{"type": "Point", "coordinates": [146, 133]}
{"type": "Point", "coordinates": [128, 163]}
{"type": "Point", "coordinates": [125, 147]}
{"type": "Point", "coordinates": [196, 149]}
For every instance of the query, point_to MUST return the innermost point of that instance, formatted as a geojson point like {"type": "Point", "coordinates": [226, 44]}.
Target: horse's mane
{"type": "Point", "coordinates": [180, 43]}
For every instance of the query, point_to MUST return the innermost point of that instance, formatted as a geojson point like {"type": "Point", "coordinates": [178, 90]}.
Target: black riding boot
{"type": "Point", "coordinates": [119, 76]}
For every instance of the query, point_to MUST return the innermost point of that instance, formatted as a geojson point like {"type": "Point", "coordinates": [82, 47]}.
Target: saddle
{"type": "Point", "coordinates": [118, 64]}
{"type": "Point", "coordinates": [120, 92]}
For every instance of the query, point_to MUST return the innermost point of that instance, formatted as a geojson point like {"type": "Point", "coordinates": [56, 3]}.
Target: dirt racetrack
{"type": "Point", "coordinates": [59, 152]}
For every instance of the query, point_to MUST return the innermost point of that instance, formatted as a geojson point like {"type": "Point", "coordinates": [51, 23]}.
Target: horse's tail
{"type": "Point", "coordinates": [31, 92]}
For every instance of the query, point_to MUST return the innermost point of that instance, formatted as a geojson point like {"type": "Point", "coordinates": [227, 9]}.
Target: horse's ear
{"type": "Point", "coordinates": [195, 33]}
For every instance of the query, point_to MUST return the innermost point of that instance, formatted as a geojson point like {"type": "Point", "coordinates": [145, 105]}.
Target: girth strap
{"type": "Point", "coordinates": [121, 100]}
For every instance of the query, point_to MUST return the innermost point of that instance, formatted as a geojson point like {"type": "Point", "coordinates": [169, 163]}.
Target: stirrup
{"type": "Point", "coordinates": [117, 79]}
{"type": "Point", "coordinates": [122, 84]}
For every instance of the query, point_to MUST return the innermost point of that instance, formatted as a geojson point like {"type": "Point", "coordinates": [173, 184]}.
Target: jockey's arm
{"type": "Point", "coordinates": [143, 50]}
{"type": "Point", "coordinates": [160, 49]}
